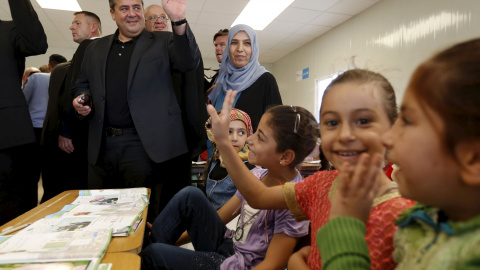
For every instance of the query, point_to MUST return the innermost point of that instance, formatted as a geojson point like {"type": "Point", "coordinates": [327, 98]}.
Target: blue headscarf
{"type": "Point", "coordinates": [231, 77]}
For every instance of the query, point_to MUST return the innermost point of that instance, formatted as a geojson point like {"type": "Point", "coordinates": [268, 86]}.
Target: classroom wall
{"type": "Point", "coordinates": [392, 37]}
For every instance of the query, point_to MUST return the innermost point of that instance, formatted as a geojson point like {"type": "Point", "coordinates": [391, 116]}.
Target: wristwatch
{"type": "Point", "coordinates": [177, 23]}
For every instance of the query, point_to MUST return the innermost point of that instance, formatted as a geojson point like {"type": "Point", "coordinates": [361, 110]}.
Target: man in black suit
{"type": "Point", "coordinates": [65, 136]}
{"type": "Point", "coordinates": [24, 36]}
{"type": "Point", "coordinates": [136, 135]}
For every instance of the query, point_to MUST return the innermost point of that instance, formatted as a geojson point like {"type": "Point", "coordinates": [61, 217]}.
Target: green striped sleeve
{"type": "Point", "coordinates": [342, 244]}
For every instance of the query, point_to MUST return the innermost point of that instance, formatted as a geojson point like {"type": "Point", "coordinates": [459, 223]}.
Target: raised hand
{"type": "Point", "coordinates": [221, 122]}
{"type": "Point", "coordinates": [357, 188]}
{"type": "Point", "coordinates": [175, 9]}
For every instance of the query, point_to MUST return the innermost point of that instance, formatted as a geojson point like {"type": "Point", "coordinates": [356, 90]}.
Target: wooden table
{"type": "Point", "coordinates": [122, 261]}
{"type": "Point", "coordinates": [131, 243]}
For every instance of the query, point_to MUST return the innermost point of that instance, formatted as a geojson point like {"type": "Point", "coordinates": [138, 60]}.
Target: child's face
{"type": "Point", "coordinates": [352, 120]}
{"type": "Point", "coordinates": [237, 133]}
{"type": "Point", "coordinates": [414, 144]}
{"type": "Point", "coordinates": [262, 145]}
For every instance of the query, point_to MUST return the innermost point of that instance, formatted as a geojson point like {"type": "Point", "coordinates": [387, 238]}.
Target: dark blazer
{"type": "Point", "coordinates": [71, 126]}
{"type": "Point", "coordinates": [151, 98]}
{"type": "Point", "coordinates": [190, 95]}
{"type": "Point", "coordinates": [24, 36]}
{"type": "Point", "coordinates": [52, 122]}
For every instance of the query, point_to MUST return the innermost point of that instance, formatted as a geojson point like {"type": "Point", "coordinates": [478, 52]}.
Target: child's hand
{"type": "Point", "coordinates": [221, 122]}
{"type": "Point", "coordinates": [357, 188]}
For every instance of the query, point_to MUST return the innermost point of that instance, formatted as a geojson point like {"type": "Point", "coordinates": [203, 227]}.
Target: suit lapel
{"type": "Point", "coordinates": [141, 45]}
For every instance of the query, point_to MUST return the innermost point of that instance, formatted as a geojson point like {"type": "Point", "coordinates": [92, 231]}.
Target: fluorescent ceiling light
{"type": "Point", "coordinates": [71, 5]}
{"type": "Point", "coordinates": [260, 13]}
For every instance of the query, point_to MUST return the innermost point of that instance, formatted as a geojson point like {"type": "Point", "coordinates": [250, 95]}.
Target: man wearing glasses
{"type": "Point", "coordinates": [156, 19]}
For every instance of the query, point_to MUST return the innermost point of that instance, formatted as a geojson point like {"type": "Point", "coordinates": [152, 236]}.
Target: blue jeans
{"type": "Point", "coordinates": [219, 191]}
{"type": "Point", "coordinates": [188, 210]}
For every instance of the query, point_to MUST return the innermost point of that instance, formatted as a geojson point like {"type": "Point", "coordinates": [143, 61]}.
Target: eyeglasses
{"type": "Point", "coordinates": [155, 17]}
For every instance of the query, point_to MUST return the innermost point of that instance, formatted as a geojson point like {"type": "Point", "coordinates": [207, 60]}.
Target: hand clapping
{"type": "Point", "coordinates": [357, 188]}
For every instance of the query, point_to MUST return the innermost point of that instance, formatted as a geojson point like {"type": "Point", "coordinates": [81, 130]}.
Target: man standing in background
{"type": "Point", "coordinates": [22, 37]}
{"type": "Point", "coordinates": [65, 136]}
{"type": "Point", "coordinates": [26, 74]}
{"type": "Point", "coordinates": [136, 134]}
{"type": "Point", "coordinates": [220, 40]}
{"type": "Point", "coordinates": [36, 94]}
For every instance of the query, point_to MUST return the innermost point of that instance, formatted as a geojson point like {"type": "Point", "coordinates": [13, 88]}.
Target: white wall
{"type": "Point", "coordinates": [39, 60]}
{"type": "Point", "coordinates": [392, 38]}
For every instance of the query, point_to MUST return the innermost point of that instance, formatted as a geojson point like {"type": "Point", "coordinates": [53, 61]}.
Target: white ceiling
{"type": "Point", "coordinates": [300, 23]}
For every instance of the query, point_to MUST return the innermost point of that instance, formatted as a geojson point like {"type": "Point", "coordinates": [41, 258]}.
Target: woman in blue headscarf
{"type": "Point", "coordinates": [241, 71]}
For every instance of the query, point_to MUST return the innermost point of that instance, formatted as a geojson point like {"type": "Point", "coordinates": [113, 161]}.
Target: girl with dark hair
{"type": "Point", "coordinates": [436, 144]}
{"type": "Point", "coordinates": [263, 239]}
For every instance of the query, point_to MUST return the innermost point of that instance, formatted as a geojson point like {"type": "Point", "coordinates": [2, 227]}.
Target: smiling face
{"type": "Point", "coordinates": [262, 145]}
{"type": "Point", "coordinates": [237, 133]}
{"type": "Point", "coordinates": [220, 43]}
{"type": "Point", "coordinates": [352, 119]}
{"type": "Point", "coordinates": [240, 49]}
{"type": "Point", "coordinates": [415, 146]}
{"type": "Point", "coordinates": [128, 14]}
{"type": "Point", "coordinates": [160, 21]}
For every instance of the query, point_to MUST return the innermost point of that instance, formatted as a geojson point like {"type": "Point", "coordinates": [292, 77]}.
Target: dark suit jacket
{"type": "Point", "coordinates": [51, 124]}
{"type": "Point", "coordinates": [24, 36]}
{"type": "Point", "coordinates": [71, 126]}
{"type": "Point", "coordinates": [190, 95]}
{"type": "Point", "coordinates": [151, 98]}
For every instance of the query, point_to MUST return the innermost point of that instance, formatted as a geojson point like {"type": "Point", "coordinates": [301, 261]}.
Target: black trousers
{"type": "Point", "coordinates": [62, 171]}
{"type": "Point", "coordinates": [18, 181]}
{"type": "Point", "coordinates": [124, 163]}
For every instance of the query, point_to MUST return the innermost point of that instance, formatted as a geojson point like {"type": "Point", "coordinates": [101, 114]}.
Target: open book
{"type": "Point", "coordinates": [116, 209]}
{"type": "Point", "coordinates": [69, 247]}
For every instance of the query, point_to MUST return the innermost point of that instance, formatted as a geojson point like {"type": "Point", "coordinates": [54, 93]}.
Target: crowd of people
{"type": "Point", "coordinates": [131, 109]}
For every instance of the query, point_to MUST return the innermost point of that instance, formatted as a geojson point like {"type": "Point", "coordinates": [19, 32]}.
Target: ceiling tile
{"type": "Point", "coordinates": [313, 30]}
{"type": "Point", "coordinates": [225, 7]}
{"type": "Point", "coordinates": [270, 36]}
{"type": "Point", "coordinates": [298, 15]}
{"type": "Point", "coordinates": [351, 7]}
{"type": "Point", "coordinates": [192, 16]}
{"type": "Point", "coordinates": [330, 19]}
{"type": "Point", "coordinates": [319, 5]}
{"type": "Point", "coordinates": [283, 27]}
{"type": "Point", "coordinates": [287, 46]}
{"type": "Point", "coordinates": [208, 18]}
{"type": "Point", "coordinates": [297, 38]}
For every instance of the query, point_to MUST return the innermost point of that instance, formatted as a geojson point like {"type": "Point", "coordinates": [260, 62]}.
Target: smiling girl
{"type": "Point", "coordinates": [436, 143]}
{"type": "Point", "coordinates": [357, 108]}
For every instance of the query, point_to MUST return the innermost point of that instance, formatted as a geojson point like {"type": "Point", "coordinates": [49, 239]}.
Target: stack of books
{"type": "Point", "coordinates": [77, 236]}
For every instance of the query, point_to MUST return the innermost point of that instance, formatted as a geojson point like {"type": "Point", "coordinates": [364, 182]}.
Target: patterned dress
{"type": "Point", "coordinates": [311, 198]}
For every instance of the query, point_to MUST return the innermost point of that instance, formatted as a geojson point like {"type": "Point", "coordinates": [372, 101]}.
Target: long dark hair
{"type": "Point", "coordinates": [294, 128]}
